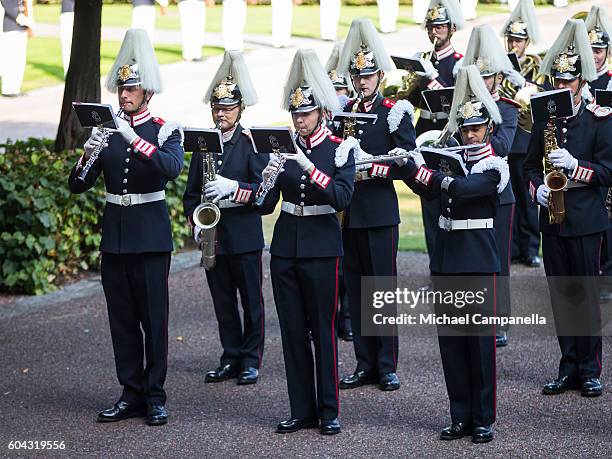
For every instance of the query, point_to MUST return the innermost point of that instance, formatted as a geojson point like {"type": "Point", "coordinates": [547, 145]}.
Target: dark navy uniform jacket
{"type": "Point", "coordinates": [146, 167]}
{"type": "Point", "coordinates": [11, 11]}
{"type": "Point", "coordinates": [602, 81]}
{"type": "Point", "coordinates": [444, 61]}
{"type": "Point", "coordinates": [587, 137]}
{"type": "Point", "coordinates": [330, 183]}
{"type": "Point", "coordinates": [473, 197]}
{"type": "Point", "coordinates": [67, 6]}
{"type": "Point", "coordinates": [502, 138]}
{"type": "Point", "coordinates": [374, 201]}
{"type": "Point", "coordinates": [239, 229]}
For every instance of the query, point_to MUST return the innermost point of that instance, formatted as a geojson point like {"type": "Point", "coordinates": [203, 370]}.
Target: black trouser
{"type": "Point", "coordinates": [370, 252]}
{"type": "Point", "coordinates": [468, 356]}
{"type": "Point", "coordinates": [503, 237]}
{"type": "Point", "coordinates": [526, 237]}
{"type": "Point", "coordinates": [575, 302]}
{"type": "Point", "coordinates": [344, 314]}
{"type": "Point", "coordinates": [239, 273]}
{"type": "Point", "coordinates": [306, 297]}
{"type": "Point", "coordinates": [136, 290]}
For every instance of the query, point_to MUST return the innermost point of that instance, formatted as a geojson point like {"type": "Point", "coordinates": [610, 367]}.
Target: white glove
{"type": "Point", "coordinates": [270, 168]}
{"type": "Point", "coordinates": [515, 78]}
{"type": "Point", "coordinates": [399, 151]}
{"type": "Point", "coordinates": [25, 21]}
{"type": "Point", "coordinates": [417, 157]}
{"type": "Point", "coordinates": [126, 131]}
{"type": "Point", "coordinates": [220, 188]}
{"type": "Point", "coordinates": [542, 195]}
{"type": "Point", "coordinates": [586, 94]}
{"type": "Point", "coordinates": [196, 234]}
{"type": "Point", "coordinates": [301, 160]}
{"type": "Point", "coordinates": [430, 71]}
{"type": "Point", "coordinates": [94, 141]}
{"type": "Point", "coordinates": [562, 158]}
{"type": "Point", "coordinates": [359, 155]}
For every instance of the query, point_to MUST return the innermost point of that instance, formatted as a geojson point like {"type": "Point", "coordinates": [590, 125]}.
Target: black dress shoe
{"type": "Point", "coordinates": [482, 434]}
{"type": "Point", "coordinates": [455, 431]}
{"type": "Point", "coordinates": [532, 262]}
{"type": "Point", "coordinates": [293, 425]}
{"type": "Point", "coordinates": [501, 339]}
{"type": "Point", "coordinates": [559, 385]}
{"type": "Point", "coordinates": [248, 375]}
{"type": "Point", "coordinates": [156, 415]}
{"type": "Point", "coordinates": [329, 427]}
{"type": "Point", "coordinates": [389, 381]}
{"type": "Point", "coordinates": [222, 373]}
{"type": "Point", "coordinates": [122, 410]}
{"type": "Point", "coordinates": [591, 387]}
{"type": "Point", "coordinates": [346, 335]}
{"type": "Point", "coordinates": [605, 296]}
{"type": "Point", "coordinates": [357, 379]}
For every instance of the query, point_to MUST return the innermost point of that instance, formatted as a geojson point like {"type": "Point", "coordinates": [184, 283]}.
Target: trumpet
{"type": "Point", "coordinates": [94, 154]}
{"type": "Point", "coordinates": [207, 215]}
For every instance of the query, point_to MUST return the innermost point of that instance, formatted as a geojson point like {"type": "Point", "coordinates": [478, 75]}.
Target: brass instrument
{"type": "Point", "coordinates": [348, 127]}
{"type": "Point", "coordinates": [609, 202]}
{"type": "Point", "coordinates": [96, 152]}
{"type": "Point", "coordinates": [554, 179]}
{"type": "Point", "coordinates": [410, 81]}
{"type": "Point", "coordinates": [207, 215]}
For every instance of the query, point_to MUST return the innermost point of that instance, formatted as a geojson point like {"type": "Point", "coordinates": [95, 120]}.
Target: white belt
{"type": "Point", "coordinates": [227, 203]}
{"type": "Point", "coordinates": [135, 199]}
{"type": "Point", "coordinates": [449, 224]}
{"type": "Point", "coordinates": [306, 211]}
{"type": "Point", "coordinates": [427, 115]}
{"type": "Point", "coordinates": [360, 176]}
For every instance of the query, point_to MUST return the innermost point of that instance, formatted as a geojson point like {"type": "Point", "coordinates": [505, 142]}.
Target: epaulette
{"type": "Point", "coordinates": [511, 102]}
{"type": "Point", "coordinates": [159, 121]}
{"type": "Point", "coordinates": [599, 111]}
{"type": "Point", "coordinates": [610, 73]}
{"type": "Point", "coordinates": [388, 103]}
{"type": "Point", "coordinates": [335, 138]}
{"type": "Point", "coordinates": [458, 55]}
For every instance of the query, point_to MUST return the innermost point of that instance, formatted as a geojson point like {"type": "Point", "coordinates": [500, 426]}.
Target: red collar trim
{"type": "Point", "coordinates": [473, 156]}
{"type": "Point", "coordinates": [138, 118]}
{"type": "Point", "coordinates": [444, 52]}
{"type": "Point", "coordinates": [316, 137]}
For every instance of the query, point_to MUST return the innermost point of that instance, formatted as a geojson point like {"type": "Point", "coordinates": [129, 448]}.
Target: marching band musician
{"type": "Point", "coordinates": [370, 228]}
{"type": "Point", "coordinates": [520, 30]}
{"type": "Point", "coordinates": [485, 51]}
{"type": "Point", "coordinates": [137, 161]}
{"type": "Point", "coordinates": [599, 30]}
{"type": "Point", "coordinates": [345, 329]}
{"type": "Point", "coordinates": [307, 246]}
{"type": "Point", "coordinates": [572, 248]}
{"type": "Point", "coordinates": [442, 20]}
{"type": "Point", "coordinates": [469, 205]}
{"type": "Point", "coordinates": [17, 22]}
{"type": "Point", "coordinates": [238, 265]}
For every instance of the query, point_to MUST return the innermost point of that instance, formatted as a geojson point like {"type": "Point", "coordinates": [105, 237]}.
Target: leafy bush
{"type": "Point", "coordinates": [46, 233]}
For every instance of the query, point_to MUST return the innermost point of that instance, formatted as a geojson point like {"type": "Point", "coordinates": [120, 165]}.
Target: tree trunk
{"type": "Point", "coordinates": [83, 76]}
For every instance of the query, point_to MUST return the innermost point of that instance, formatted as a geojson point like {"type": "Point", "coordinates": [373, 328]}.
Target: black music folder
{"type": "Point", "coordinates": [439, 100]}
{"type": "Point", "coordinates": [603, 97]}
{"type": "Point", "coordinates": [448, 162]}
{"type": "Point", "coordinates": [550, 105]}
{"type": "Point", "coordinates": [273, 140]}
{"type": "Point", "coordinates": [410, 64]}
{"type": "Point", "coordinates": [92, 115]}
{"type": "Point", "coordinates": [197, 140]}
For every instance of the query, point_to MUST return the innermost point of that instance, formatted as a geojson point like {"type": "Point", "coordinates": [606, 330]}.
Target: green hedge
{"type": "Point", "coordinates": [46, 233]}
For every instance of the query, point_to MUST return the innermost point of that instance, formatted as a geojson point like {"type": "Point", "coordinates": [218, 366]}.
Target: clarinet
{"type": "Point", "coordinates": [269, 184]}
{"type": "Point", "coordinates": [94, 154]}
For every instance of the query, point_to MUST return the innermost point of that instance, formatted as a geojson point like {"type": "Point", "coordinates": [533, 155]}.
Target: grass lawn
{"type": "Point", "coordinates": [259, 17]}
{"type": "Point", "coordinates": [44, 61]}
{"type": "Point", "coordinates": [411, 229]}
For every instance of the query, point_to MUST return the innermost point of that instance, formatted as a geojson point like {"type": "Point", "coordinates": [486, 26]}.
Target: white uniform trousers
{"type": "Point", "coordinates": [282, 16]}
{"type": "Point", "coordinates": [419, 10]}
{"type": "Point", "coordinates": [468, 7]}
{"type": "Point", "coordinates": [13, 50]}
{"type": "Point", "coordinates": [234, 20]}
{"type": "Point", "coordinates": [387, 14]}
{"type": "Point", "coordinates": [193, 20]}
{"type": "Point", "coordinates": [66, 25]}
{"type": "Point", "coordinates": [329, 17]}
{"type": "Point", "coordinates": [143, 17]}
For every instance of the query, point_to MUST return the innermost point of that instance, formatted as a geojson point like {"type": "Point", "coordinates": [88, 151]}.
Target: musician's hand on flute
{"type": "Point", "coordinates": [219, 188]}
{"type": "Point", "coordinates": [95, 141]}
{"type": "Point", "coordinates": [302, 161]}
{"type": "Point", "coordinates": [126, 131]}
{"type": "Point", "coordinates": [397, 152]}
{"type": "Point", "coordinates": [270, 168]}
{"type": "Point", "coordinates": [417, 157]}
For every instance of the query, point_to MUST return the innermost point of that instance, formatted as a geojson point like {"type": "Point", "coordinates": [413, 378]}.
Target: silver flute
{"type": "Point", "coordinates": [387, 158]}
{"type": "Point", "coordinates": [267, 185]}
{"type": "Point", "coordinates": [96, 152]}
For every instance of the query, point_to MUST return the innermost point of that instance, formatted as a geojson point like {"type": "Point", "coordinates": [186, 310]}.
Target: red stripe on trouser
{"type": "Point", "coordinates": [334, 338]}
{"type": "Point", "coordinates": [510, 238]}
{"type": "Point", "coordinates": [393, 272]}
{"type": "Point", "coordinates": [494, 349]}
{"type": "Point", "coordinates": [261, 310]}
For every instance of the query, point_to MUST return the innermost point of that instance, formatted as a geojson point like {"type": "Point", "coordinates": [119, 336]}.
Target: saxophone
{"type": "Point", "coordinates": [348, 129]}
{"type": "Point", "coordinates": [207, 215]}
{"type": "Point", "coordinates": [554, 178]}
